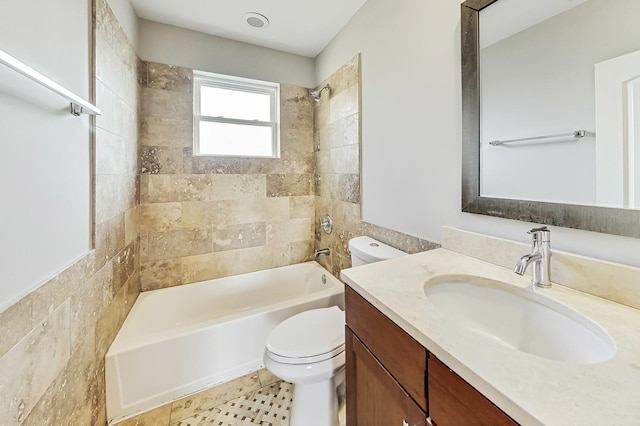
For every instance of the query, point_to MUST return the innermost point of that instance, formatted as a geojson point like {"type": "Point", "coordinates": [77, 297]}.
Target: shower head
{"type": "Point", "coordinates": [315, 94]}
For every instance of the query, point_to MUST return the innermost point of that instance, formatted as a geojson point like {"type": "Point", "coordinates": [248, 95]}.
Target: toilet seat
{"type": "Point", "coordinates": [308, 337]}
{"type": "Point", "coordinates": [306, 360]}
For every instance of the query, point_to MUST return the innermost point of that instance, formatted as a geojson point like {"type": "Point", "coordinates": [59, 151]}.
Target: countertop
{"type": "Point", "coordinates": [531, 389]}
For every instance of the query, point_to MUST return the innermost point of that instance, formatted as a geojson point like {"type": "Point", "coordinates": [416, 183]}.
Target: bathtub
{"type": "Point", "coordinates": [181, 340]}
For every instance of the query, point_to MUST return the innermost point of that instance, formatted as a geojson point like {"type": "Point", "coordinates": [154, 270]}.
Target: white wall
{"type": "Point", "coordinates": [177, 46]}
{"type": "Point", "coordinates": [411, 138]}
{"type": "Point", "coordinates": [44, 163]}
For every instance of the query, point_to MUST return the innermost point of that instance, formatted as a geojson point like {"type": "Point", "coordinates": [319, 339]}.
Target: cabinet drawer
{"type": "Point", "coordinates": [374, 398]}
{"type": "Point", "coordinates": [454, 402]}
{"type": "Point", "coordinates": [402, 356]}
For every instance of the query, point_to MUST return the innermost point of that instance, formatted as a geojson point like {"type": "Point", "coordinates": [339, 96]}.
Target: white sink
{"type": "Point", "coordinates": [520, 319]}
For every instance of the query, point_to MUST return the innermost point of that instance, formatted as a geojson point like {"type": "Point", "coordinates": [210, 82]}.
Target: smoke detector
{"type": "Point", "coordinates": [256, 20]}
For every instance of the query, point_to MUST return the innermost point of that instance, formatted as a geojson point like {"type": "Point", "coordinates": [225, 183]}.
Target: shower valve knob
{"type": "Point", "coordinates": [326, 223]}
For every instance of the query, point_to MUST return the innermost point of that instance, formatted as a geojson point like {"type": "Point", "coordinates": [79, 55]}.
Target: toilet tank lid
{"type": "Point", "coordinates": [371, 250]}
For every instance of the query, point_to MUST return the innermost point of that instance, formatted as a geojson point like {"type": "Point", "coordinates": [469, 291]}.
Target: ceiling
{"type": "Point", "coordinates": [301, 27]}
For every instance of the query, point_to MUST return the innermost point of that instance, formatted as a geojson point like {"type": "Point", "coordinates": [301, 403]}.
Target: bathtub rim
{"type": "Point", "coordinates": [335, 288]}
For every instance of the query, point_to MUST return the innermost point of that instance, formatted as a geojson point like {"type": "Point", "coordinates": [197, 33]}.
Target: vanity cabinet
{"type": "Point", "coordinates": [379, 399]}
{"type": "Point", "coordinates": [393, 381]}
{"type": "Point", "coordinates": [385, 369]}
{"type": "Point", "coordinates": [453, 402]}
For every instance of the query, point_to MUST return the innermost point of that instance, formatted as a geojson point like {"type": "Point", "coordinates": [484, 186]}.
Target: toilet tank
{"type": "Point", "coordinates": [365, 250]}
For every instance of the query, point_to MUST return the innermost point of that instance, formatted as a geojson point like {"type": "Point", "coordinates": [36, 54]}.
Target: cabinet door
{"type": "Point", "coordinates": [374, 398]}
{"type": "Point", "coordinates": [401, 355]}
{"type": "Point", "coordinates": [454, 402]}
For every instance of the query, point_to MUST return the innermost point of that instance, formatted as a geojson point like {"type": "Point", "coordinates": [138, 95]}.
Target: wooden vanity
{"type": "Point", "coordinates": [392, 380]}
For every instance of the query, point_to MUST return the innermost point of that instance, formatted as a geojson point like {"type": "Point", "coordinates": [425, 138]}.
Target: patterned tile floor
{"type": "Point", "coordinates": [257, 398]}
{"type": "Point", "coordinates": [268, 406]}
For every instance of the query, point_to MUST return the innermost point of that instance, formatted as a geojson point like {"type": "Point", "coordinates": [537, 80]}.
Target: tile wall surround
{"type": "Point", "coordinates": [337, 140]}
{"type": "Point", "coordinates": [407, 243]}
{"type": "Point", "coordinates": [337, 144]}
{"type": "Point", "coordinates": [54, 339]}
{"type": "Point", "coordinates": [204, 217]}
{"type": "Point", "coordinates": [612, 281]}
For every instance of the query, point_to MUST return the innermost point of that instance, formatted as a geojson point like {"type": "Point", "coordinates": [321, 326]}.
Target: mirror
{"type": "Point", "coordinates": [548, 69]}
{"type": "Point", "coordinates": [529, 82]}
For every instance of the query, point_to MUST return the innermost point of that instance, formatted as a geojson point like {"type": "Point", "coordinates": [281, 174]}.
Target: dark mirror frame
{"type": "Point", "coordinates": [625, 222]}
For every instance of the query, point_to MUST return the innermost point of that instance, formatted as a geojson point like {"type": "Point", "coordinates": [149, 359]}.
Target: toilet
{"type": "Point", "coordinates": [307, 350]}
{"type": "Point", "coordinates": [365, 250]}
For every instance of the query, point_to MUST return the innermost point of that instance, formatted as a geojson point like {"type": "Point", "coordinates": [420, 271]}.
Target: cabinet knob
{"type": "Point", "coordinates": [405, 423]}
{"type": "Point", "coordinates": [430, 422]}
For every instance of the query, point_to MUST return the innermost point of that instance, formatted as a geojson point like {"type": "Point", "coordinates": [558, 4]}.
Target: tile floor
{"type": "Point", "coordinates": [258, 398]}
{"type": "Point", "coordinates": [268, 406]}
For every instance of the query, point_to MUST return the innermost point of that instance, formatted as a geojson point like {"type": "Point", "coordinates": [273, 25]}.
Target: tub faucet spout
{"type": "Point", "coordinates": [540, 256]}
{"type": "Point", "coordinates": [321, 252]}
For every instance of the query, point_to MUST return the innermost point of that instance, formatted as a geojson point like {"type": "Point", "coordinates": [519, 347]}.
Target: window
{"type": "Point", "coordinates": [235, 117]}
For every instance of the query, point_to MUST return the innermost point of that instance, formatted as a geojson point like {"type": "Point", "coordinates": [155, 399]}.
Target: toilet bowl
{"type": "Point", "coordinates": [308, 351]}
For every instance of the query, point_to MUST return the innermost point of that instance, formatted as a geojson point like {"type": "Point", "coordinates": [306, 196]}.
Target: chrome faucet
{"type": "Point", "coordinates": [540, 256]}
{"type": "Point", "coordinates": [321, 252]}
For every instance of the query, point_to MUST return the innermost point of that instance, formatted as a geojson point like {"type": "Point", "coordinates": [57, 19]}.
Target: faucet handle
{"type": "Point", "coordinates": [542, 234]}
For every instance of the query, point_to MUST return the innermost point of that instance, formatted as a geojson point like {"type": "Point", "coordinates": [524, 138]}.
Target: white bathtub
{"type": "Point", "coordinates": [180, 340]}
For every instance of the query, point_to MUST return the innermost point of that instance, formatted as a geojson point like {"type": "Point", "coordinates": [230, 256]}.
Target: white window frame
{"type": "Point", "coordinates": [206, 79]}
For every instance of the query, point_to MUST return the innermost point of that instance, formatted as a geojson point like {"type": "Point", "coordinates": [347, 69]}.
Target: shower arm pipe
{"type": "Point", "coordinates": [315, 94]}
{"type": "Point", "coordinates": [78, 105]}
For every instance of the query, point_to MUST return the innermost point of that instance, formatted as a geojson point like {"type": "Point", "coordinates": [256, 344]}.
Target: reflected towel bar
{"type": "Point", "coordinates": [576, 134]}
{"type": "Point", "coordinates": [78, 105]}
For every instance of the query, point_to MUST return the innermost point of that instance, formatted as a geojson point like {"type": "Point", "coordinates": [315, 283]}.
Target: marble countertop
{"type": "Point", "coordinates": [531, 389]}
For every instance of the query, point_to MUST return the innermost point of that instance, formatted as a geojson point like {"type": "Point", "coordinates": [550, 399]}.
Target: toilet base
{"type": "Point", "coordinates": [316, 404]}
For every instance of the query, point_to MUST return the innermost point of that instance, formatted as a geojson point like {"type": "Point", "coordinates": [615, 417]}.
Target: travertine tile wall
{"type": "Point", "coordinates": [54, 340]}
{"type": "Point", "coordinates": [337, 134]}
{"type": "Point", "coordinates": [207, 217]}
{"type": "Point", "coordinates": [337, 142]}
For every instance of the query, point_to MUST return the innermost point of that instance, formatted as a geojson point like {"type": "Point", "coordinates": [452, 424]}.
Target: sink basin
{"type": "Point", "coordinates": [520, 319]}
